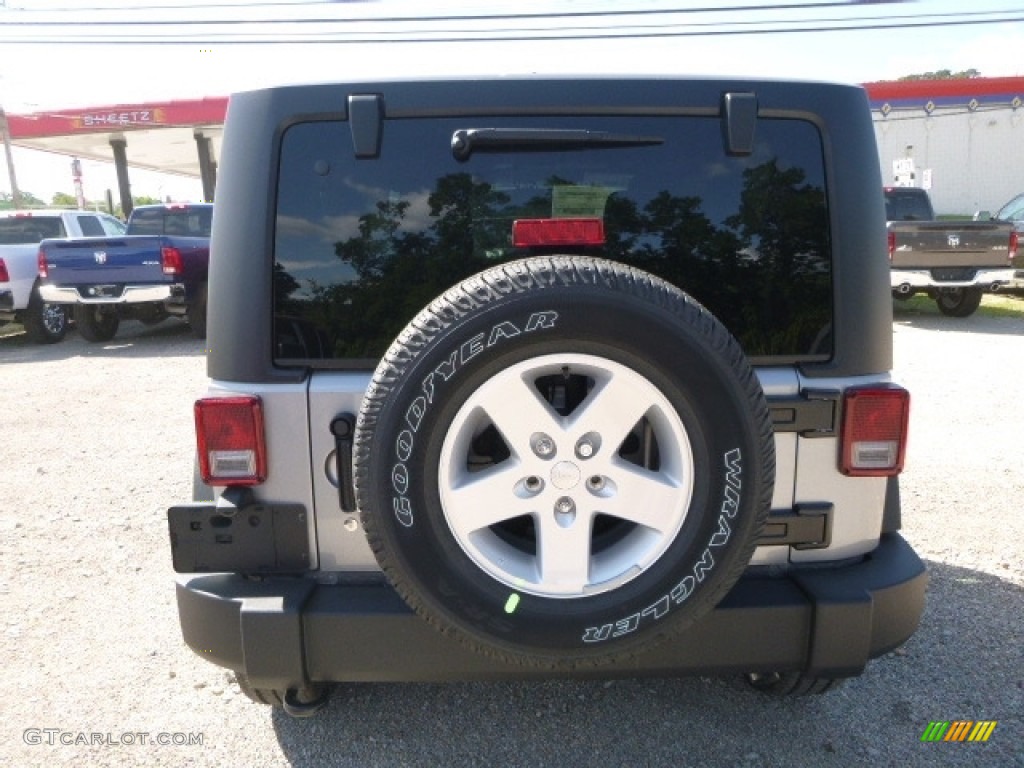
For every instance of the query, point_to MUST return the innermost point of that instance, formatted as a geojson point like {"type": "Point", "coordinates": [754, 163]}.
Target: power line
{"type": "Point", "coordinates": [548, 16]}
{"type": "Point", "coordinates": [425, 18]}
{"type": "Point", "coordinates": [349, 36]}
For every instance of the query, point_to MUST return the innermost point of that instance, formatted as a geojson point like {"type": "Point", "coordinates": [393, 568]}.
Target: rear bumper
{"type": "Point", "coordinates": [132, 294]}
{"type": "Point", "coordinates": [906, 280]}
{"type": "Point", "coordinates": [287, 632]}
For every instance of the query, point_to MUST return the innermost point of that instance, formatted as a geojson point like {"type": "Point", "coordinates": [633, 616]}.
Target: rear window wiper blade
{"type": "Point", "coordinates": [466, 141]}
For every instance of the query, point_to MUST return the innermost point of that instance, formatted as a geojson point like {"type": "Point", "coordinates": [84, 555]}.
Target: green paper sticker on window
{"type": "Point", "coordinates": [578, 202]}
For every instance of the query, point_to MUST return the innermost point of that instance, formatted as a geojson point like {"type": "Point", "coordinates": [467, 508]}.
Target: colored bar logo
{"type": "Point", "coordinates": [959, 730]}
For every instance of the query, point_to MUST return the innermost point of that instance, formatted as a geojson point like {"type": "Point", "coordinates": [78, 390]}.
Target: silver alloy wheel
{"type": "Point", "coordinates": [595, 518]}
{"type": "Point", "coordinates": [54, 318]}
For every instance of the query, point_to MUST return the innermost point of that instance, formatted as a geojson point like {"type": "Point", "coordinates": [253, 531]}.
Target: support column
{"type": "Point", "coordinates": [207, 165]}
{"type": "Point", "coordinates": [124, 188]}
{"type": "Point", "coordinates": [5, 133]}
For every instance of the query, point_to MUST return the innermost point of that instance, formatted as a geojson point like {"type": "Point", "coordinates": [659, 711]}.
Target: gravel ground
{"type": "Point", "coordinates": [97, 441]}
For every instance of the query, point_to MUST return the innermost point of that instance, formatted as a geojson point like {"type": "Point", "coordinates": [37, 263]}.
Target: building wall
{"type": "Point", "coordinates": [965, 138]}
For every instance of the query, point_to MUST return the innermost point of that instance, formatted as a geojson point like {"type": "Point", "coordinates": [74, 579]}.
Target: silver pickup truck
{"type": "Point", "coordinates": [953, 261]}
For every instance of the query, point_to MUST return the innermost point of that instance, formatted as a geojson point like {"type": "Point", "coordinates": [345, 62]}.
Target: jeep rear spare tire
{"type": "Point", "coordinates": [563, 461]}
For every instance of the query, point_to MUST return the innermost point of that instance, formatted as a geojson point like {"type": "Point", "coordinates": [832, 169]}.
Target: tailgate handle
{"type": "Point", "coordinates": [343, 428]}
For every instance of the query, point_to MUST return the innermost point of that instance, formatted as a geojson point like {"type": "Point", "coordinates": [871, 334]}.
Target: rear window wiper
{"type": "Point", "coordinates": [469, 140]}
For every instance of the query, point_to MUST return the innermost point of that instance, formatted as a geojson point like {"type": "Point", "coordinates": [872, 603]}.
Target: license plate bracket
{"type": "Point", "coordinates": [106, 291]}
{"type": "Point", "coordinates": [257, 538]}
{"type": "Point", "coordinates": [953, 274]}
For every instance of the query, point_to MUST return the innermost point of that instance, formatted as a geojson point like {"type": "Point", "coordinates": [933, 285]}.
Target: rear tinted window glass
{"type": "Point", "coordinates": [90, 226]}
{"type": "Point", "coordinates": [361, 245]}
{"type": "Point", "coordinates": [112, 226]}
{"type": "Point", "coordinates": [185, 222]}
{"type": "Point", "coordinates": [907, 205]}
{"type": "Point", "coordinates": [15, 230]}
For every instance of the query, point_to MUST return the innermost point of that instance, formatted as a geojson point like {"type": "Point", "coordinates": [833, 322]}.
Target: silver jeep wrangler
{"type": "Point", "coordinates": [528, 378]}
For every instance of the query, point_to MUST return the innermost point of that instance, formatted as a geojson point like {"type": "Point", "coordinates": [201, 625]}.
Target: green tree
{"type": "Point", "coordinates": [944, 74]}
{"type": "Point", "coordinates": [64, 200]}
{"type": "Point", "coordinates": [28, 200]}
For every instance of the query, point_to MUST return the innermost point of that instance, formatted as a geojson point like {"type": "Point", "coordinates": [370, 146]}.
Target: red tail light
{"type": "Point", "coordinates": [170, 261]}
{"type": "Point", "coordinates": [42, 266]}
{"type": "Point", "coordinates": [4, 276]}
{"type": "Point", "coordinates": [528, 233]}
{"type": "Point", "coordinates": [232, 445]}
{"type": "Point", "coordinates": [1014, 241]}
{"type": "Point", "coordinates": [873, 440]}
{"type": "Point", "coordinates": [892, 244]}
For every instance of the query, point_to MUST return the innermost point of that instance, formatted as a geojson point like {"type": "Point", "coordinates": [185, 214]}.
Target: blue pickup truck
{"type": "Point", "coordinates": [157, 269]}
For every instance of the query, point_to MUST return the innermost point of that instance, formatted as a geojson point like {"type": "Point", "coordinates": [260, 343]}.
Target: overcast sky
{"type": "Point", "coordinates": [223, 46]}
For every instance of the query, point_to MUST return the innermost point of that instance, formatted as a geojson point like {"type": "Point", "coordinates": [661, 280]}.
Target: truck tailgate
{"type": "Point", "coordinates": [124, 260]}
{"type": "Point", "coordinates": [931, 244]}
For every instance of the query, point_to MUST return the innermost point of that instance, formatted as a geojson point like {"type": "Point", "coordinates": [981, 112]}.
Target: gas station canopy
{"type": "Point", "coordinates": [178, 137]}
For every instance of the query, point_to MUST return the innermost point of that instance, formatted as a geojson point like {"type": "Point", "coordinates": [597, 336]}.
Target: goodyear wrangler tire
{"type": "Point", "coordinates": [563, 461]}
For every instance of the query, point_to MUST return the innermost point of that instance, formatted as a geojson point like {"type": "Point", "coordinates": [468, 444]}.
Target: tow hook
{"type": "Point", "coordinates": [306, 701]}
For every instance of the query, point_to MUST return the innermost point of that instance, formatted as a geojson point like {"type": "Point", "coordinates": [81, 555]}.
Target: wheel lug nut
{"type": "Point", "coordinates": [533, 483]}
{"type": "Point", "coordinates": [542, 445]}
{"type": "Point", "coordinates": [595, 483]}
{"type": "Point", "coordinates": [588, 445]}
{"type": "Point", "coordinates": [565, 506]}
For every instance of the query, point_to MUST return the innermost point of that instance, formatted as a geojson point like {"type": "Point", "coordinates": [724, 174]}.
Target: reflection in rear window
{"type": "Point", "coordinates": [362, 245]}
{"type": "Point", "coordinates": [17, 230]}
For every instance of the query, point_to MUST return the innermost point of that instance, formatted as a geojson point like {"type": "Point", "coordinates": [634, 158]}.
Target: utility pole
{"type": "Point", "coordinates": [6, 134]}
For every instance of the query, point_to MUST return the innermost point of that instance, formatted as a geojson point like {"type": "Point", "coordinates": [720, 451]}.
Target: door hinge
{"type": "Point", "coordinates": [807, 526]}
{"type": "Point", "coordinates": [810, 414]}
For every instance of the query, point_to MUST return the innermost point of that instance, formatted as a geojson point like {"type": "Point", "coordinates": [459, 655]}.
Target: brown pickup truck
{"type": "Point", "coordinates": [953, 261]}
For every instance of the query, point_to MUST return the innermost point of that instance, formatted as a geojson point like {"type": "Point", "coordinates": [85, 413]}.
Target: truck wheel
{"type": "Point", "coordinates": [96, 323]}
{"type": "Point", "coordinates": [958, 302]}
{"type": "Point", "coordinates": [150, 314]}
{"type": "Point", "coordinates": [196, 314]}
{"type": "Point", "coordinates": [791, 683]}
{"type": "Point", "coordinates": [45, 323]}
{"type": "Point", "coordinates": [563, 461]}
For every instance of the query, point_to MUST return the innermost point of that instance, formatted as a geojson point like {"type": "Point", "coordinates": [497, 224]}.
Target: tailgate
{"type": "Point", "coordinates": [924, 245]}
{"type": "Point", "coordinates": [89, 261]}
